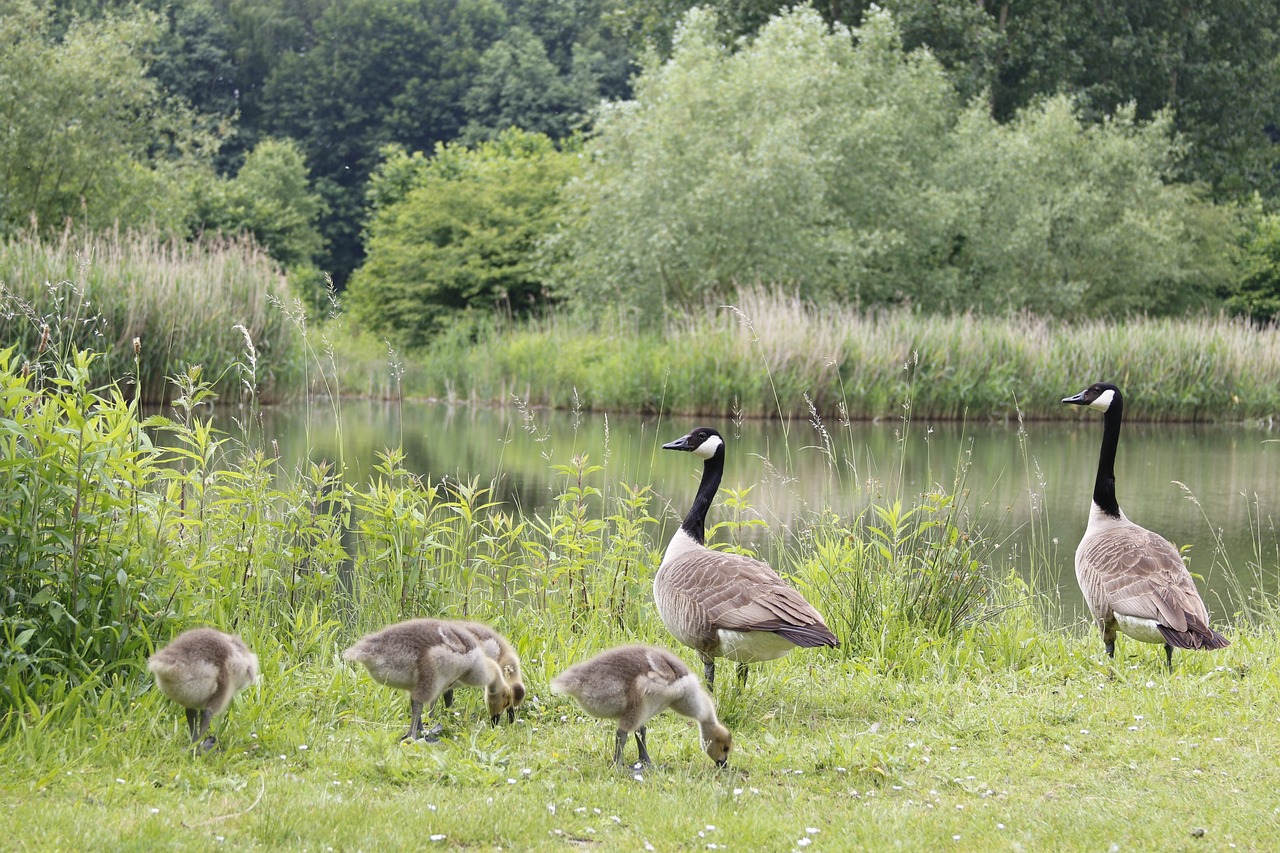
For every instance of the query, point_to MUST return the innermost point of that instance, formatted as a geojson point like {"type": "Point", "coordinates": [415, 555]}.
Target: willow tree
{"type": "Point", "coordinates": [837, 164]}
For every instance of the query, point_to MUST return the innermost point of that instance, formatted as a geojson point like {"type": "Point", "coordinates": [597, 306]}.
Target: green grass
{"type": "Point", "coordinates": [774, 356]}
{"type": "Point", "coordinates": [1048, 751]}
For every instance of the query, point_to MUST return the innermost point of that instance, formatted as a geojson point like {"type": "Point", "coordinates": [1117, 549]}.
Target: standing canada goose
{"type": "Point", "coordinates": [1132, 578]}
{"type": "Point", "coordinates": [201, 669]}
{"type": "Point", "coordinates": [727, 605]}
{"type": "Point", "coordinates": [500, 649]}
{"type": "Point", "coordinates": [427, 656]}
{"type": "Point", "coordinates": [633, 684]}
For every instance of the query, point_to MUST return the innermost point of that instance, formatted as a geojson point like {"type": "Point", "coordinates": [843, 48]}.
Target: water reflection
{"type": "Point", "coordinates": [1023, 488]}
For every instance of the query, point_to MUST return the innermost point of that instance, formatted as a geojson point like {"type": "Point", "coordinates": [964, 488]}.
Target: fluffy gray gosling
{"type": "Point", "coordinates": [426, 657]}
{"type": "Point", "coordinates": [633, 684]}
{"type": "Point", "coordinates": [201, 669]}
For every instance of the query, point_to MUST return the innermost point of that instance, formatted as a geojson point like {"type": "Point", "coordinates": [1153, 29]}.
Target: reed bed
{"type": "Point", "coordinates": [183, 303]}
{"type": "Point", "coordinates": [772, 355]}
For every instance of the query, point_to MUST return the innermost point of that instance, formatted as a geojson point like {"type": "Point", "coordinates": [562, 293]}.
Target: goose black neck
{"type": "Point", "coordinates": [695, 523]}
{"type": "Point", "coordinates": [1104, 488]}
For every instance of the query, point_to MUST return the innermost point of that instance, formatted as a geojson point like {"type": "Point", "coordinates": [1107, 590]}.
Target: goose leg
{"type": "Point", "coordinates": [742, 674]}
{"type": "Point", "coordinates": [193, 723]}
{"type": "Point", "coordinates": [619, 741]}
{"type": "Point", "coordinates": [642, 734]}
{"type": "Point", "coordinates": [1168, 656]}
{"type": "Point", "coordinates": [511, 715]}
{"type": "Point", "coordinates": [448, 698]}
{"type": "Point", "coordinates": [709, 671]}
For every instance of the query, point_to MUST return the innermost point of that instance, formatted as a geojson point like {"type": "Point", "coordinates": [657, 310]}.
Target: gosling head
{"type": "Point", "coordinates": [718, 745]}
{"type": "Point", "coordinates": [499, 695]}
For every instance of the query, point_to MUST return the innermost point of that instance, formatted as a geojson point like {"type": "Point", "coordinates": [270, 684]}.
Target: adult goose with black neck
{"type": "Point", "coordinates": [1133, 579]}
{"type": "Point", "coordinates": [727, 605]}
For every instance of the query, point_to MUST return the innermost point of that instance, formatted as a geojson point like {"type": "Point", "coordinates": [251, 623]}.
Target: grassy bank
{"type": "Point", "coordinates": [961, 709]}
{"type": "Point", "coordinates": [979, 751]}
{"type": "Point", "coordinates": [771, 356]}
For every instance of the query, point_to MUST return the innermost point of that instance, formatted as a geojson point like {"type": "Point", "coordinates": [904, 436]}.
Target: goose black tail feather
{"type": "Point", "coordinates": [1197, 636]}
{"type": "Point", "coordinates": [807, 636]}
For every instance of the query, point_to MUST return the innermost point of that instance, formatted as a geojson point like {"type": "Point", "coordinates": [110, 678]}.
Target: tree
{"type": "Point", "coordinates": [374, 72]}
{"type": "Point", "coordinates": [839, 165]}
{"type": "Point", "coordinates": [517, 85]}
{"type": "Point", "coordinates": [270, 199]}
{"type": "Point", "coordinates": [85, 134]}
{"type": "Point", "coordinates": [458, 231]}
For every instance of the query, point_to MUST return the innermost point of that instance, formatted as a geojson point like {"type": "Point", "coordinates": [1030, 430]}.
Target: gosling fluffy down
{"type": "Point", "coordinates": [633, 684]}
{"type": "Point", "coordinates": [500, 649]}
{"type": "Point", "coordinates": [426, 657]}
{"type": "Point", "coordinates": [201, 670]}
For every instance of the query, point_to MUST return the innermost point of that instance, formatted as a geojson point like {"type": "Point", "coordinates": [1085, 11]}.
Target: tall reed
{"type": "Point", "coordinates": [180, 301]}
{"type": "Point", "coordinates": [773, 355]}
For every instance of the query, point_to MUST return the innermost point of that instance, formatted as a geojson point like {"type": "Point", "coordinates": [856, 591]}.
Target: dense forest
{"type": "Point", "coordinates": [433, 157]}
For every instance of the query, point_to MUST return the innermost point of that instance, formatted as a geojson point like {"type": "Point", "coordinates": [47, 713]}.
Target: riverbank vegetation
{"type": "Point", "coordinates": [959, 702]}
{"type": "Point", "coordinates": [773, 355]}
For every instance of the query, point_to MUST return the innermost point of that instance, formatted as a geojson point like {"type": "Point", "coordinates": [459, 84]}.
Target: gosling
{"type": "Point", "coordinates": [426, 657]}
{"type": "Point", "coordinates": [500, 649]}
{"type": "Point", "coordinates": [633, 684]}
{"type": "Point", "coordinates": [201, 670]}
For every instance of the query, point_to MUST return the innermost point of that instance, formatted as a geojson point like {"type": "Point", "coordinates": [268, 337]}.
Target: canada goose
{"type": "Point", "coordinates": [727, 605]}
{"type": "Point", "coordinates": [633, 684]}
{"type": "Point", "coordinates": [500, 649]}
{"type": "Point", "coordinates": [1132, 578]}
{"type": "Point", "coordinates": [427, 656]}
{"type": "Point", "coordinates": [201, 669]}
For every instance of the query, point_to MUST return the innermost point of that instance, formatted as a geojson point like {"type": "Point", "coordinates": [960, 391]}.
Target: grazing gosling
{"type": "Point", "coordinates": [426, 657]}
{"type": "Point", "coordinates": [1133, 579]}
{"type": "Point", "coordinates": [500, 649]}
{"type": "Point", "coordinates": [721, 604]}
{"type": "Point", "coordinates": [633, 684]}
{"type": "Point", "coordinates": [201, 669]}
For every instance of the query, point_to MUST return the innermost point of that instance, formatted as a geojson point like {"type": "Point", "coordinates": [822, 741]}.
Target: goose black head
{"type": "Point", "coordinates": [1099, 395]}
{"type": "Point", "coordinates": [703, 442]}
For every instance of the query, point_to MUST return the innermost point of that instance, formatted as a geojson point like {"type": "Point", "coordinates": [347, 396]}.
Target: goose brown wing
{"type": "Point", "coordinates": [737, 593]}
{"type": "Point", "coordinates": [1139, 573]}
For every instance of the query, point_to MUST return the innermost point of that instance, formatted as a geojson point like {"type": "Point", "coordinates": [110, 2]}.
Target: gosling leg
{"type": "Point", "coordinates": [642, 734]}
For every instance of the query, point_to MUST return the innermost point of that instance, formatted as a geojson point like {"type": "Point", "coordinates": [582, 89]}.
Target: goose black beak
{"type": "Point", "coordinates": [722, 764]}
{"type": "Point", "coordinates": [1077, 399]}
{"type": "Point", "coordinates": [681, 443]}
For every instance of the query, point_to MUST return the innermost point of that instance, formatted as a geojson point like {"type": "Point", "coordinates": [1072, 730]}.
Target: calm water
{"type": "Point", "coordinates": [1015, 485]}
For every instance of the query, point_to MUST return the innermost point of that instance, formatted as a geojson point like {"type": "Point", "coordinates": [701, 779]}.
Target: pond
{"type": "Point", "coordinates": [1027, 487]}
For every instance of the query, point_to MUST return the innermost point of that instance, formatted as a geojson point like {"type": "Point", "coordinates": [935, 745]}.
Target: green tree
{"type": "Point", "coordinates": [1256, 293]}
{"type": "Point", "coordinates": [373, 72]}
{"type": "Point", "coordinates": [517, 85]}
{"type": "Point", "coordinates": [270, 199]}
{"type": "Point", "coordinates": [838, 164]}
{"type": "Point", "coordinates": [85, 134]}
{"type": "Point", "coordinates": [458, 231]}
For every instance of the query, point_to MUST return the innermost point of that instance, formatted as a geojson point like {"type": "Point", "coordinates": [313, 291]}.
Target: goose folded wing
{"type": "Point", "coordinates": [758, 599]}
{"type": "Point", "coordinates": [1153, 583]}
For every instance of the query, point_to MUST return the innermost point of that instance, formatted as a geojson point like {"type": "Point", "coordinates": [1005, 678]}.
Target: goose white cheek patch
{"type": "Point", "coordinates": [708, 448]}
{"type": "Point", "coordinates": [1104, 401]}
